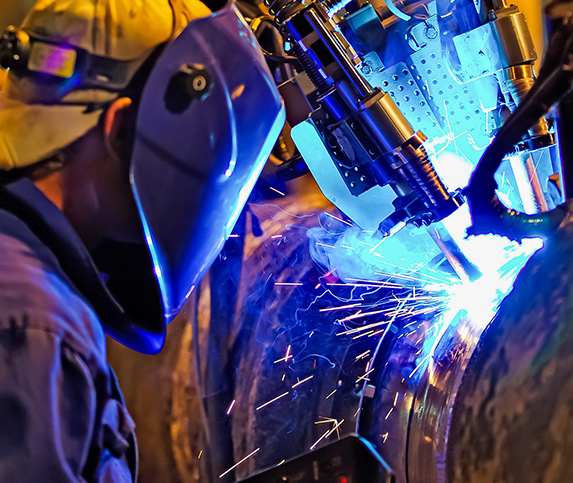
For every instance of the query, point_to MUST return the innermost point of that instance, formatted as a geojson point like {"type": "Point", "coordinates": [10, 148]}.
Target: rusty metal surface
{"type": "Point", "coordinates": [513, 417]}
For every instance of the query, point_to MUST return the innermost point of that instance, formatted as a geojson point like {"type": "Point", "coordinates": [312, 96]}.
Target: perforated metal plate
{"type": "Point", "coordinates": [432, 99]}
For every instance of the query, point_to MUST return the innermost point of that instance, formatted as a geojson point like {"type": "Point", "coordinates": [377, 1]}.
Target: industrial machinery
{"type": "Point", "coordinates": [400, 100]}
{"type": "Point", "coordinates": [390, 89]}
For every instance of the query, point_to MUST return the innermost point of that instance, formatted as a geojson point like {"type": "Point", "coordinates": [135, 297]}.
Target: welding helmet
{"type": "Point", "coordinates": [208, 116]}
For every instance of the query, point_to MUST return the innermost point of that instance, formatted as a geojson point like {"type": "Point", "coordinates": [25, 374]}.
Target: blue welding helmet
{"type": "Point", "coordinates": [209, 116]}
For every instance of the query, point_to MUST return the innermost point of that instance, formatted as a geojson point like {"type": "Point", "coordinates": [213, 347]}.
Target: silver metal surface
{"type": "Point", "coordinates": [419, 384]}
{"type": "Point", "coordinates": [528, 184]}
{"type": "Point", "coordinates": [435, 397]}
{"type": "Point", "coordinates": [367, 211]}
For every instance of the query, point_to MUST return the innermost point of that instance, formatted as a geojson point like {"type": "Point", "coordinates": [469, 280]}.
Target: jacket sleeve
{"type": "Point", "coordinates": [49, 416]}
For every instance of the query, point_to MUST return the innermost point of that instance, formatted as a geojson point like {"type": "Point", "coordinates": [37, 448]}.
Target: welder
{"type": "Point", "coordinates": [131, 134]}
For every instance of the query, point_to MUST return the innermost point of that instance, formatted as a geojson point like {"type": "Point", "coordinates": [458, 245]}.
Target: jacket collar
{"type": "Point", "coordinates": [48, 223]}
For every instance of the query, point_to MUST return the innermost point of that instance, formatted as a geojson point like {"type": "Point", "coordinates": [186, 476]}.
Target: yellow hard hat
{"type": "Point", "coordinates": [68, 59]}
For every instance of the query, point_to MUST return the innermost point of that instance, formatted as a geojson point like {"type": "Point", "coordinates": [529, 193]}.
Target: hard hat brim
{"type": "Point", "coordinates": [32, 132]}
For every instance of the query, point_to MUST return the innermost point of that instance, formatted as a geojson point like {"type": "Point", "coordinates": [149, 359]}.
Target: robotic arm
{"type": "Point", "coordinates": [370, 99]}
{"type": "Point", "coordinates": [369, 139]}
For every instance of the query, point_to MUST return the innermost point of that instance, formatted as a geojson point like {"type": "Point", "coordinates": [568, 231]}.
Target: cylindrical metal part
{"type": "Point", "coordinates": [422, 175]}
{"type": "Point", "coordinates": [528, 184]}
{"type": "Point", "coordinates": [513, 36]}
{"type": "Point", "coordinates": [519, 79]}
{"type": "Point", "coordinates": [317, 17]}
{"type": "Point", "coordinates": [383, 120]}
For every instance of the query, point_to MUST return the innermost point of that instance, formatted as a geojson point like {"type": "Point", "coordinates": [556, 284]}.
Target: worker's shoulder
{"type": "Point", "coordinates": [34, 288]}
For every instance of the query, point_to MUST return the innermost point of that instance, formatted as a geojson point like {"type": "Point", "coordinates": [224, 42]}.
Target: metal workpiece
{"type": "Point", "coordinates": [435, 397]}
{"type": "Point", "coordinates": [415, 395]}
{"type": "Point", "coordinates": [512, 417]}
{"type": "Point", "coordinates": [513, 36]}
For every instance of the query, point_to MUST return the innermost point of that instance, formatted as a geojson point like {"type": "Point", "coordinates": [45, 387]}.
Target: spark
{"type": "Point", "coordinates": [367, 285]}
{"type": "Point", "coordinates": [233, 236]}
{"type": "Point", "coordinates": [365, 376]}
{"type": "Point", "coordinates": [325, 245]}
{"type": "Point", "coordinates": [360, 329]}
{"type": "Point", "coordinates": [277, 191]}
{"type": "Point", "coordinates": [277, 236]}
{"type": "Point", "coordinates": [336, 428]}
{"type": "Point", "coordinates": [287, 356]}
{"type": "Point", "coordinates": [419, 365]}
{"type": "Point", "coordinates": [376, 333]}
{"type": "Point", "coordinates": [272, 401]}
{"type": "Point", "coordinates": [326, 420]}
{"type": "Point", "coordinates": [231, 406]}
{"type": "Point", "coordinates": [328, 309]}
{"type": "Point", "coordinates": [281, 462]}
{"type": "Point", "coordinates": [319, 440]}
{"type": "Point", "coordinates": [360, 315]}
{"type": "Point", "coordinates": [388, 415]}
{"type": "Point", "coordinates": [237, 464]}
{"type": "Point", "coordinates": [362, 335]}
{"type": "Point", "coordinates": [384, 437]}
{"type": "Point", "coordinates": [304, 380]}
{"type": "Point", "coordinates": [336, 425]}
{"type": "Point", "coordinates": [331, 393]}
{"type": "Point", "coordinates": [377, 245]}
{"type": "Point", "coordinates": [291, 284]}
{"type": "Point", "coordinates": [199, 455]}
{"type": "Point", "coordinates": [396, 399]}
{"type": "Point", "coordinates": [336, 218]}
{"type": "Point", "coordinates": [346, 246]}
{"type": "Point", "coordinates": [381, 283]}
{"type": "Point", "coordinates": [363, 355]}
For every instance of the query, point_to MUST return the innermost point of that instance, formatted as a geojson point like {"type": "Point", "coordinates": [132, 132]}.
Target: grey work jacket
{"type": "Point", "coordinates": [62, 417]}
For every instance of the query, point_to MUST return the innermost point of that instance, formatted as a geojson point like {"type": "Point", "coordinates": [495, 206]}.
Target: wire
{"type": "Point", "coordinates": [286, 59]}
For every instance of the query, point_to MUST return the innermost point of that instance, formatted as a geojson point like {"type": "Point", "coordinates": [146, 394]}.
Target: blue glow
{"type": "Point", "coordinates": [352, 253]}
{"type": "Point", "coordinates": [229, 171]}
{"type": "Point", "coordinates": [337, 8]}
{"type": "Point", "coordinates": [246, 190]}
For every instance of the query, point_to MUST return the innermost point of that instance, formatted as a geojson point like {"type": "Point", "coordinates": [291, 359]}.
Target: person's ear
{"type": "Point", "coordinates": [116, 115]}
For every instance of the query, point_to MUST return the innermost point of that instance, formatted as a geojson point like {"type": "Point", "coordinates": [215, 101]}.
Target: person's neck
{"type": "Point", "coordinates": [51, 186]}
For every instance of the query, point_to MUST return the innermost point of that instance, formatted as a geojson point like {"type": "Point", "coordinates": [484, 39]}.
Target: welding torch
{"type": "Point", "coordinates": [394, 150]}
